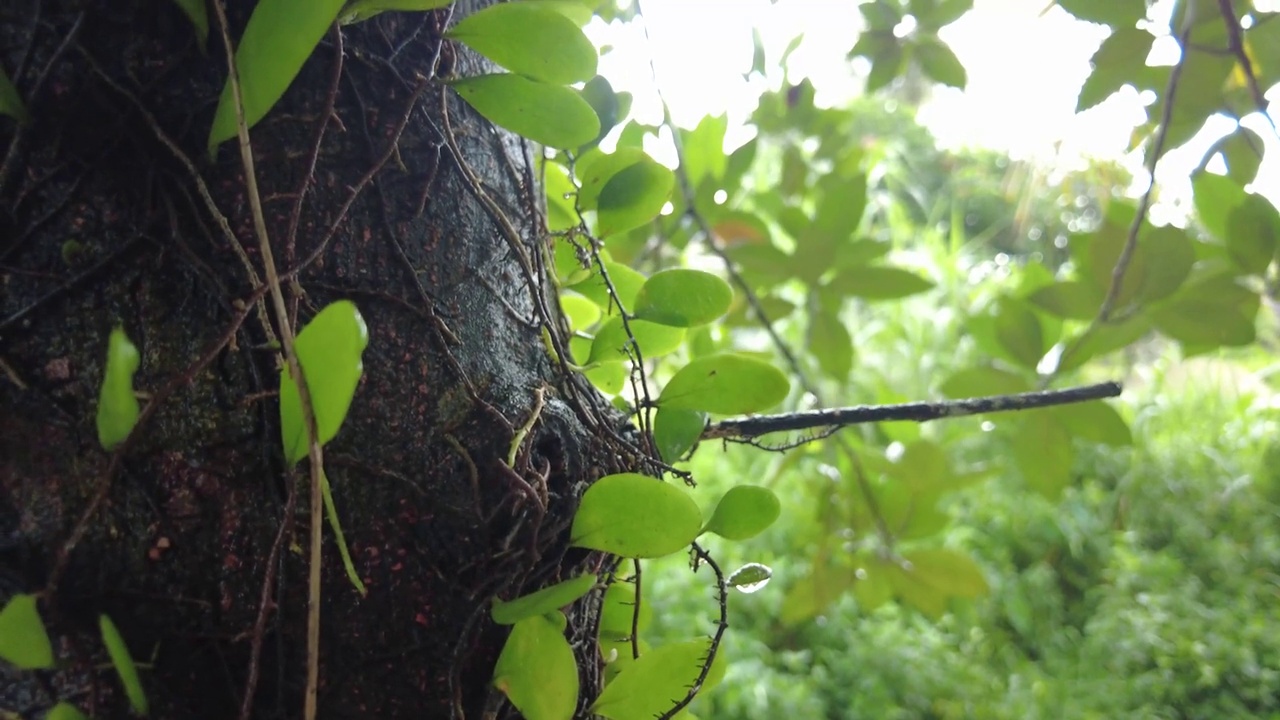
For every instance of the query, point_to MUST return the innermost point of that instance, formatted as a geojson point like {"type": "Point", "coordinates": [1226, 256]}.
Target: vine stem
{"type": "Point", "coordinates": [314, 452]}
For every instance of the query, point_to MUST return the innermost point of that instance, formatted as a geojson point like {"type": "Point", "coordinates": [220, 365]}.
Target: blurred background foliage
{"type": "Point", "coordinates": [1109, 560]}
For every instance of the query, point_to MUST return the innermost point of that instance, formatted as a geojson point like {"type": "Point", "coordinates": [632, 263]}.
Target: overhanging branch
{"type": "Point", "coordinates": [753, 427]}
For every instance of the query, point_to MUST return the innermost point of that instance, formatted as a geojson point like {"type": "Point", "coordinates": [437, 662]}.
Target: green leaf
{"type": "Point", "coordinates": [607, 104]}
{"type": "Point", "coordinates": [981, 381]}
{"type": "Point", "coordinates": [1107, 338]}
{"type": "Point", "coordinates": [727, 384]}
{"type": "Point", "coordinates": [123, 663]}
{"type": "Point", "coordinates": [552, 115]}
{"type": "Point", "coordinates": [596, 168]}
{"type": "Point", "coordinates": [1096, 421]}
{"type": "Point", "coordinates": [940, 63]}
{"type": "Point", "coordinates": [542, 601]}
{"type": "Point", "coordinates": [831, 344]}
{"type": "Point", "coordinates": [626, 282]}
{"type": "Point", "coordinates": [361, 10]}
{"type": "Point", "coordinates": [1068, 299]}
{"type": "Point", "coordinates": [23, 640]}
{"type": "Point", "coordinates": [10, 101]}
{"type": "Point", "coordinates": [744, 512]}
{"type": "Point", "coordinates": [1042, 451]}
{"type": "Point", "coordinates": [329, 350]}
{"type": "Point", "coordinates": [703, 149]}
{"type": "Point", "coordinates": [886, 65]}
{"type": "Point", "coordinates": [1160, 263]}
{"type": "Point", "coordinates": [676, 431]}
{"type": "Point", "coordinates": [609, 378]}
{"type": "Point", "coordinates": [929, 578]}
{"type": "Point", "coordinates": [530, 39]}
{"type": "Point", "coordinates": [537, 671]}
{"type": "Point", "coordinates": [581, 312]}
{"type": "Point", "coordinates": [611, 341]}
{"type": "Point", "coordinates": [198, 13]}
{"type": "Point", "coordinates": [1216, 197]}
{"type": "Point", "coordinates": [943, 13]}
{"type": "Point", "coordinates": [650, 685]}
{"type": "Point", "coordinates": [1018, 331]}
{"type": "Point", "coordinates": [636, 516]}
{"type": "Point", "coordinates": [1242, 150]}
{"type": "Point", "coordinates": [683, 298]}
{"type": "Point", "coordinates": [618, 609]}
{"type": "Point", "coordinates": [1116, 13]}
{"type": "Point", "coordinates": [65, 711]}
{"type": "Point", "coordinates": [874, 282]}
{"type": "Point", "coordinates": [117, 405]}
{"type": "Point", "coordinates": [750, 577]}
{"type": "Point", "coordinates": [1253, 232]}
{"type": "Point", "coordinates": [279, 38]}
{"type": "Point", "coordinates": [633, 196]}
{"type": "Point", "coordinates": [561, 214]}
{"type": "Point", "coordinates": [812, 593]}
{"type": "Point", "coordinates": [1120, 60]}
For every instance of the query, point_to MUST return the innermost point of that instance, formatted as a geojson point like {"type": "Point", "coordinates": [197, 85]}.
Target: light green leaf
{"type": "Point", "coordinates": [537, 671]}
{"type": "Point", "coordinates": [561, 214]}
{"type": "Point", "coordinates": [65, 711]}
{"type": "Point", "coordinates": [675, 431]}
{"type": "Point", "coordinates": [581, 312]}
{"type": "Point", "coordinates": [531, 39]}
{"type": "Point", "coordinates": [831, 344]}
{"type": "Point", "coordinates": [683, 298]}
{"type": "Point", "coordinates": [117, 405]}
{"type": "Point", "coordinates": [1096, 421]}
{"type": "Point", "coordinates": [874, 282]}
{"type": "Point", "coordinates": [542, 601]}
{"type": "Point", "coordinates": [928, 579]}
{"type": "Point", "coordinates": [553, 115]}
{"type": "Point", "coordinates": [611, 341]}
{"type": "Point", "coordinates": [1042, 451]}
{"type": "Point", "coordinates": [1159, 264]}
{"type": "Point", "coordinates": [329, 350]}
{"type": "Point", "coordinates": [1116, 13]}
{"type": "Point", "coordinates": [744, 512]}
{"type": "Point", "coordinates": [1119, 61]}
{"type": "Point", "coordinates": [1242, 150]}
{"type": "Point", "coordinates": [123, 663]}
{"type": "Point", "coordinates": [609, 378]}
{"type": "Point", "coordinates": [703, 148]}
{"type": "Point", "coordinates": [1018, 331]}
{"type": "Point", "coordinates": [636, 516]}
{"type": "Point", "coordinates": [1107, 338]}
{"type": "Point", "coordinates": [279, 38]}
{"type": "Point", "coordinates": [652, 684]}
{"type": "Point", "coordinates": [618, 609]}
{"type": "Point", "coordinates": [361, 10]}
{"type": "Point", "coordinates": [626, 282]}
{"type": "Point", "coordinates": [633, 196]}
{"type": "Point", "coordinates": [23, 639]}
{"type": "Point", "coordinates": [1216, 197]}
{"type": "Point", "coordinates": [750, 577]}
{"type": "Point", "coordinates": [940, 63]}
{"type": "Point", "coordinates": [1068, 299]}
{"type": "Point", "coordinates": [1253, 232]}
{"type": "Point", "coordinates": [727, 384]}
{"type": "Point", "coordinates": [198, 13]}
{"type": "Point", "coordinates": [812, 593]}
{"type": "Point", "coordinates": [10, 101]}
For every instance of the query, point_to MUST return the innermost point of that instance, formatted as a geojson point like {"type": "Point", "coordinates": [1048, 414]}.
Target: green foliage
{"type": "Point", "coordinates": [279, 38]}
{"type": "Point", "coordinates": [537, 671]}
{"type": "Point", "coordinates": [23, 640]}
{"type": "Point", "coordinates": [117, 405]}
{"type": "Point", "coordinates": [542, 601]}
{"type": "Point", "coordinates": [635, 516]}
{"type": "Point", "coordinates": [553, 115]}
{"type": "Point", "coordinates": [726, 384]}
{"type": "Point", "coordinates": [10, 101]}
{"type": "Point", "coordinates": [744, 512]}
{"type": "Point", "coordinates": [531, 39]}
{"type": "Point", "coordinates": [361, 10]}
{"type": "Point", "coordinates": [329, 352]}
{"type": "Point", "coordinates": [647, 686]}
{"type": "Point", "coordinates": [198, 13]}
{"type": "Point", "coordinates": [122, 661]}
{"type": "Point", "coordinates": [65, 711]}
{"type": "Point", "coordinates": [683, 298]}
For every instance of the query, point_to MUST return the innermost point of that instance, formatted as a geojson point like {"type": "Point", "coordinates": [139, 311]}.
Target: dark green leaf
{"type": "Point", "coordinates": [1159, 264]}
{"type": "Point", "coordinates": [1042, 451]}
{"type": "Point", "coordinates": [675, 431]}
{"type": "Point", "coordinates": [940, 63]}
{"type": "Point", "coordinates": [23, 639]}
{"type": "Point", "coordinates": [1018, 331]}
{"type": "Point", "coordinates": [1068, 299]}
{"type": "Point", "coordinates": [636, 516]}
{"type": "Point", "coordinates": [943, 13]}
{"type": "Point", "coordinates": [611, 341]}
{"type": "Point", "coordinates": [886, 65]}
{"type": "Point", "coordinates": [1116, 13]}
{"type": "Point", "coordinates": [726, 384]}
{"type": "Point", "coordinates": [874, 282]}
{"type": "Point", "coordinates": [117, 405]}
{"type": "Point", "coordinates": [606, 103]}
{"type": "Point", "coordinates": [1096, 421]}
{"type": "Point", "coordinates": [1253, 232]}
{"type": "Point", "coordinates": [1119, 61]}
{"type": "Point", "coordinates": [1242, 150]}
{"type": "Point", "coordinates": [361, 10]}
{"type": "Point", "coordinates": [703, 149]}
{"type": "Point", "coordinates": [531, 39]}
{"type": "Point", "coordinates": [123, 663]}
{"type": "Point", "coordinates": [10, 101]}
{"type": "Point", "coordinates": [329, 349]}
{"type": "Point", "coordinates": [831, 344]}
{"type": "Point", "coordinates": [646, 687]}
{"type": "Point", "coordinates": [633, 196]}
{"type": "Point", "coordinates": [552, 115]}
{"type": "Point", "coordinates": [537, 671]}
{"type": "Point", "coordinates": [279, 38]}
{"type": "Point", "coordinates": [928, 579]}
{"type": "Point", "coordinates": [1216, 197]}
{"type": "Point", "coordinates": [1107, 338]}
{"type": "Point", "coordinates": [744, 512]}
{"type": "Point", "coordinates": [683, 298]}
{"type": "Point", "coordinates": [542, 601]}
{"type": "Point", "coordinates": [198, 13]}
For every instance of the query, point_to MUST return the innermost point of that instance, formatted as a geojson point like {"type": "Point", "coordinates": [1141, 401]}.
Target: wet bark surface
{"type": "Point", "coordinates": [111, 215]}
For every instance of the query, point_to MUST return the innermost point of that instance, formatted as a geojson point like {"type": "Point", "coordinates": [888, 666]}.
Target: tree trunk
{"type": "Point", "coordinates": [111, 214]}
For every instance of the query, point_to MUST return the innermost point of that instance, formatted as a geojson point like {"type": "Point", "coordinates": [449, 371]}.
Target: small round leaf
{"type": "Point", "coordinates": [635, 516]}
{"type": "Point", "coordinates": [683, 298]}
{"type": "Point", "coordinates": [23, 640]}
{"type": "Point", "coordinates": [633, 197]}
{"type": "Point", "coordinates": [329, 350]}
{"type": "Point", "coordinates": [727, 384]}
{"type": "Point", "coordinates": [744, 512]}
{"type": "Point", "coordinates": [531, 39]}
{"type": "Point", "coordinates": [117, 405]}
{"type": "Point", "coordinates": [537, 671]}
{"type": "Point", "coordinates": [553, 115]}
{"type": "Point", "coordinates": [655, 340]}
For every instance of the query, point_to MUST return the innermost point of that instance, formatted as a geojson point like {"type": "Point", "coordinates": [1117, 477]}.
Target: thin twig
{"type": "Point", "coordinates": [1235, 42]}
{"type": "Point", "coordinates": [700, 556]}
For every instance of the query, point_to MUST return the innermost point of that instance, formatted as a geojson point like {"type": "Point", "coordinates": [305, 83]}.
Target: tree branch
{"type": "Point", "coordinates": [752, 427]}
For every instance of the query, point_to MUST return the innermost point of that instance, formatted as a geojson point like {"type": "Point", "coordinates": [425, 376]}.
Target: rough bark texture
{"type": "Point", "coordinates": [102, 224]}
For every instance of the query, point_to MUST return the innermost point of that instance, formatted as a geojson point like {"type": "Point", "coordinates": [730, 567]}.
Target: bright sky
{"type": "Point", "coordinates": [1025, 68]}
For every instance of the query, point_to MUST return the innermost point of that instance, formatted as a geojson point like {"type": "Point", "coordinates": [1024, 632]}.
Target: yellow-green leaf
{"type": "Point", "coordinates": [874, 282]}
{"type": "Point", "coordinates": [744, 512]}
{"type": "Point", "coordinates": [329, 350]}
{"type": "Point", "coordinates": [279, 38]}
{"type": "Point", "coordinates": [675, 431]}
{"type": "Point", "coordinates": [727, 384]}
{"type": "Point", "coordinates": [940, 63]}
{"type": "Point", "coordinates": [681, 297]}
{"type": "Point", "coordinates": [553, 115]}
{"type": "Point", "coordinates": [626, 282]}
{"type": "Point", "coordinates": [23, 640]}
{"type": "Point", "coordinates": [635, 516]}
{"type": "Point", "coordinates": [1042, 451]}
{"type": "Point", "coordinates": [611, 341]}
{"type": "Point", "coordinates": [117, 405]}
{"type": "Point", "coordinates": [123, 663]}
{"type": "Point", "coordinates": [541, 602]}
{"type": "Point", "coordinates": [531, 39]}
{"type": "Point", "coordinates": [65, 711]}
{"type": "Point", "coordinates": [633, 196]}
{"type": "Point", "coordinates": [650, 685]}
{"type": "Point", "coordinates": [537, 671]}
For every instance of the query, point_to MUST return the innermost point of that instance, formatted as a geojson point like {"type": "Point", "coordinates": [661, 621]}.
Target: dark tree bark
{"type": "Point", "coordinates": [109, 216]}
